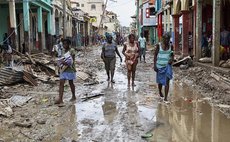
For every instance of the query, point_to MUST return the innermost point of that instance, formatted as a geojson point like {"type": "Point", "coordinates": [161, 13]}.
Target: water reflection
{"type": "Point", "coordinates": [109, 111]}
{"type": "Point", "coordinates": [66, 129]}
{"type": "Point", "coordinates": [190, 120]}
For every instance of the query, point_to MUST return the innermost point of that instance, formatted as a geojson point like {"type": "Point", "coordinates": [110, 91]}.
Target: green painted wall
{"type": "Point", "coordinates": [151, 35]}
{"type": "Point", "coordinates": [4, 12]}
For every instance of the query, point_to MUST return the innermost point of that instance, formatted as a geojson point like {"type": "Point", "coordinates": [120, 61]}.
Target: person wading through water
{"type": "Point", "coordinates": [163, 59]}
{"type": "Point", "coordinates": [108, 55]}
{"type": "Point", "coordinates": [67, 71]}
{"type": "Point", "coordinates": [131, 52]}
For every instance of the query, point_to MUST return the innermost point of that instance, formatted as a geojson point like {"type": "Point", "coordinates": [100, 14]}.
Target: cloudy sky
{"type": "Point", "coordinates": [124, 9]}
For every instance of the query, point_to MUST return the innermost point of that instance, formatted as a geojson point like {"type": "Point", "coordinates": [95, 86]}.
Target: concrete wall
{"type": "Point", "coordinates": [87, 8]}
{"type": "Point", "coordinates": [97, 13]}
{"type": "Point", "coordinates": [4, 13]}
{"type": "Point", "coordinates": [111, 27]}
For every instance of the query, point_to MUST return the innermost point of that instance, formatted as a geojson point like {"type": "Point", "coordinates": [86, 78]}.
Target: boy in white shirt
{"type": "Point", "coordinates": [142, 44]}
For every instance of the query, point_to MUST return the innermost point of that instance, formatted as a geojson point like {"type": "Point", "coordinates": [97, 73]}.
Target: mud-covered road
{"type": "Point", "coordinates": [118, 114]}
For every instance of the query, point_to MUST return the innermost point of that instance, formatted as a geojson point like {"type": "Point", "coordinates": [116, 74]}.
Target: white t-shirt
{"type": "Point", "coordinates": [142, 42]}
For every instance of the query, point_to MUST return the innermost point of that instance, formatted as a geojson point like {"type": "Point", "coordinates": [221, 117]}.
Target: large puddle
{"type": "Point", "coordinates": [121, 115]}
{"type": "Point", "coordinates": [190, 119]}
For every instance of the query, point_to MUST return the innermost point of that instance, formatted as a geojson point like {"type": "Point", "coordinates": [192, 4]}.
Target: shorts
{"type": "Point", "coordinates": [110, 63]}
{"type": "Point", "coordinates": [67, 76]}
{"type": "Point", "coordinates": [143, 51]}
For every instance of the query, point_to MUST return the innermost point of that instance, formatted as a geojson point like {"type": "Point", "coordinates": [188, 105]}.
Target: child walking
{"type": "Point", "coordinates": [67, 71]}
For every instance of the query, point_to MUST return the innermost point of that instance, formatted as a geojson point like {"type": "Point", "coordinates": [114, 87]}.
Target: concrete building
{"type": "Point", "coordinates": [28, 22]}
{"type": "Point", "coordinates": [110, 22]}
{"type": "Point", "coordinates": [58, 18]}
{"type": "Point", "coordinates": [198, 16]}
{"type": "Point", "coordinates": [149, 23]}
{"type": "Point", "coordinates": [93, 7]}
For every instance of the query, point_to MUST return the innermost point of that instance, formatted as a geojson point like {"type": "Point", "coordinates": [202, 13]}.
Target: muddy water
{"type": "Point", "coordinates": [125, 114]}
{"type": "Point", "coordinates": [190, 119]}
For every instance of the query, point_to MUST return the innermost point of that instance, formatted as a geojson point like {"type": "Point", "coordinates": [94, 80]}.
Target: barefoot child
{"type": "Point", "coordinates": [67, 71]}
{"type": "Point", "coordinates": [163, 59]}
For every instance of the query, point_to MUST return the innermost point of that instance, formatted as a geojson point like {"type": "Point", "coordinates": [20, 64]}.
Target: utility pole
{"type": "Point", "coordinates": [137, 18]}
{"type": "Point", "coordinates": [64, 19]}
{"type": "Point", "coordinates": [103, 14]}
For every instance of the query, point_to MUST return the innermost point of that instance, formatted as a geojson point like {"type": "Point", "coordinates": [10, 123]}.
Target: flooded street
{"type": "Point", "coordinates": [118, 113]}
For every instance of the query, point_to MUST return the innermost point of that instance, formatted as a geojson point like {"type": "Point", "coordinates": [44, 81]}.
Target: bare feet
{"type": "Point", "coordinates": [58, 101]}
{"type": "Point", "coordinates": [133, 84]}
{"type": "Point", "coordinates": [73, 99]}
{"type": "Point", "coordinates": [112, 81]}
{"type": "Point", "coordinates": [161, 95]}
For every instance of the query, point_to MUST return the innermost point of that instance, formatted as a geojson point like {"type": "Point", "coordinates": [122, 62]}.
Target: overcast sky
{"type": "Point", "coordinates": [124, 9]}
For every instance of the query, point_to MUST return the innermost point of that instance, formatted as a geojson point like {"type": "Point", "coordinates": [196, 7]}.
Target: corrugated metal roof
{"type": "Point", "coordinates": [10, 76]}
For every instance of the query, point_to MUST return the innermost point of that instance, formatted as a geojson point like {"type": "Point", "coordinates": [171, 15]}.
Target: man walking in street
{"type": "Point", "coordinates": [142, 44]}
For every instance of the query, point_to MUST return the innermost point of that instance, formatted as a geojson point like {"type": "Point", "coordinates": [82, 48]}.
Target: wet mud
{"type": "Point", "coordinates": [120, 114]}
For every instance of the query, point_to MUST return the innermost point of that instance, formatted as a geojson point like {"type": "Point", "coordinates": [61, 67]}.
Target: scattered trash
{"type": "Point", "coordinates": [25, 124]}
{"type": "Point", "coordinates": [91, 83]}
{"type": "Point", "coordinates": [92, 96]}
{"type": "Point", "coordinates": [6, 105]}
{"type": "Point", "coordinates": [225, 64]}
{"type": "Point", "coordinates": [184, 67]}
{"type": "Point", "coordinates": [220, 78]}
{"type": "Point", "coordinates": [45, 100]}
{"type": "Point", "coordinates": [5, 111]}
{"type": "Point", "coordinates": [147, 135]}
{"type": "Point", "coordinates": [205, 60]}
{"type": "Point", "coordinates": [28, 68]}
{"type": "Point", "coordinates": [82, 75]}
{"type": "Point", "coordinates": [185, 60]}
{"type": "Point", "coordinates": [41, 121]}
{"type": "Point", "coordinates": [18, 101]}
{"type": "Point", "coordinates": [223, 106]}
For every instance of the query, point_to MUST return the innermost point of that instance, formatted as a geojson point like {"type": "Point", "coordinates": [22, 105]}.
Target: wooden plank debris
{"type": "Point", "coordinates": [178, 63]}
{"type": "Point", "coordinates": [220, 78]}
{"type": "Point", "coordinates": [30, 58]}
{"type": "Point", "coordinates": [92, 96]}
{"type": "Point", "coordinates": [82, 75]}
{"type": "Point", "coordinates": [28, 78]}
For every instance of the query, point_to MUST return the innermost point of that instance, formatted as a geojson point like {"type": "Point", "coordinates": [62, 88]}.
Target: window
{"type": "Point", "coordinates": [152, 11]}
{"type": "Point", "coordinates": [93, 7]}
{"type": "Point", "coordinates": [82, 5]}
{"type": "Point", "coordinates": [113, 17]}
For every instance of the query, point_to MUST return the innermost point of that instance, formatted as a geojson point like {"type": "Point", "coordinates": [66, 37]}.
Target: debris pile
{"type": "Point", "coordinates": [225, 64]}
{"type": "Point", "coordinates": [29, 68]}
{"type": "Point", "coordinates": [6, 105]}
{"type": "Point", "coordinates": [184, 63]}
